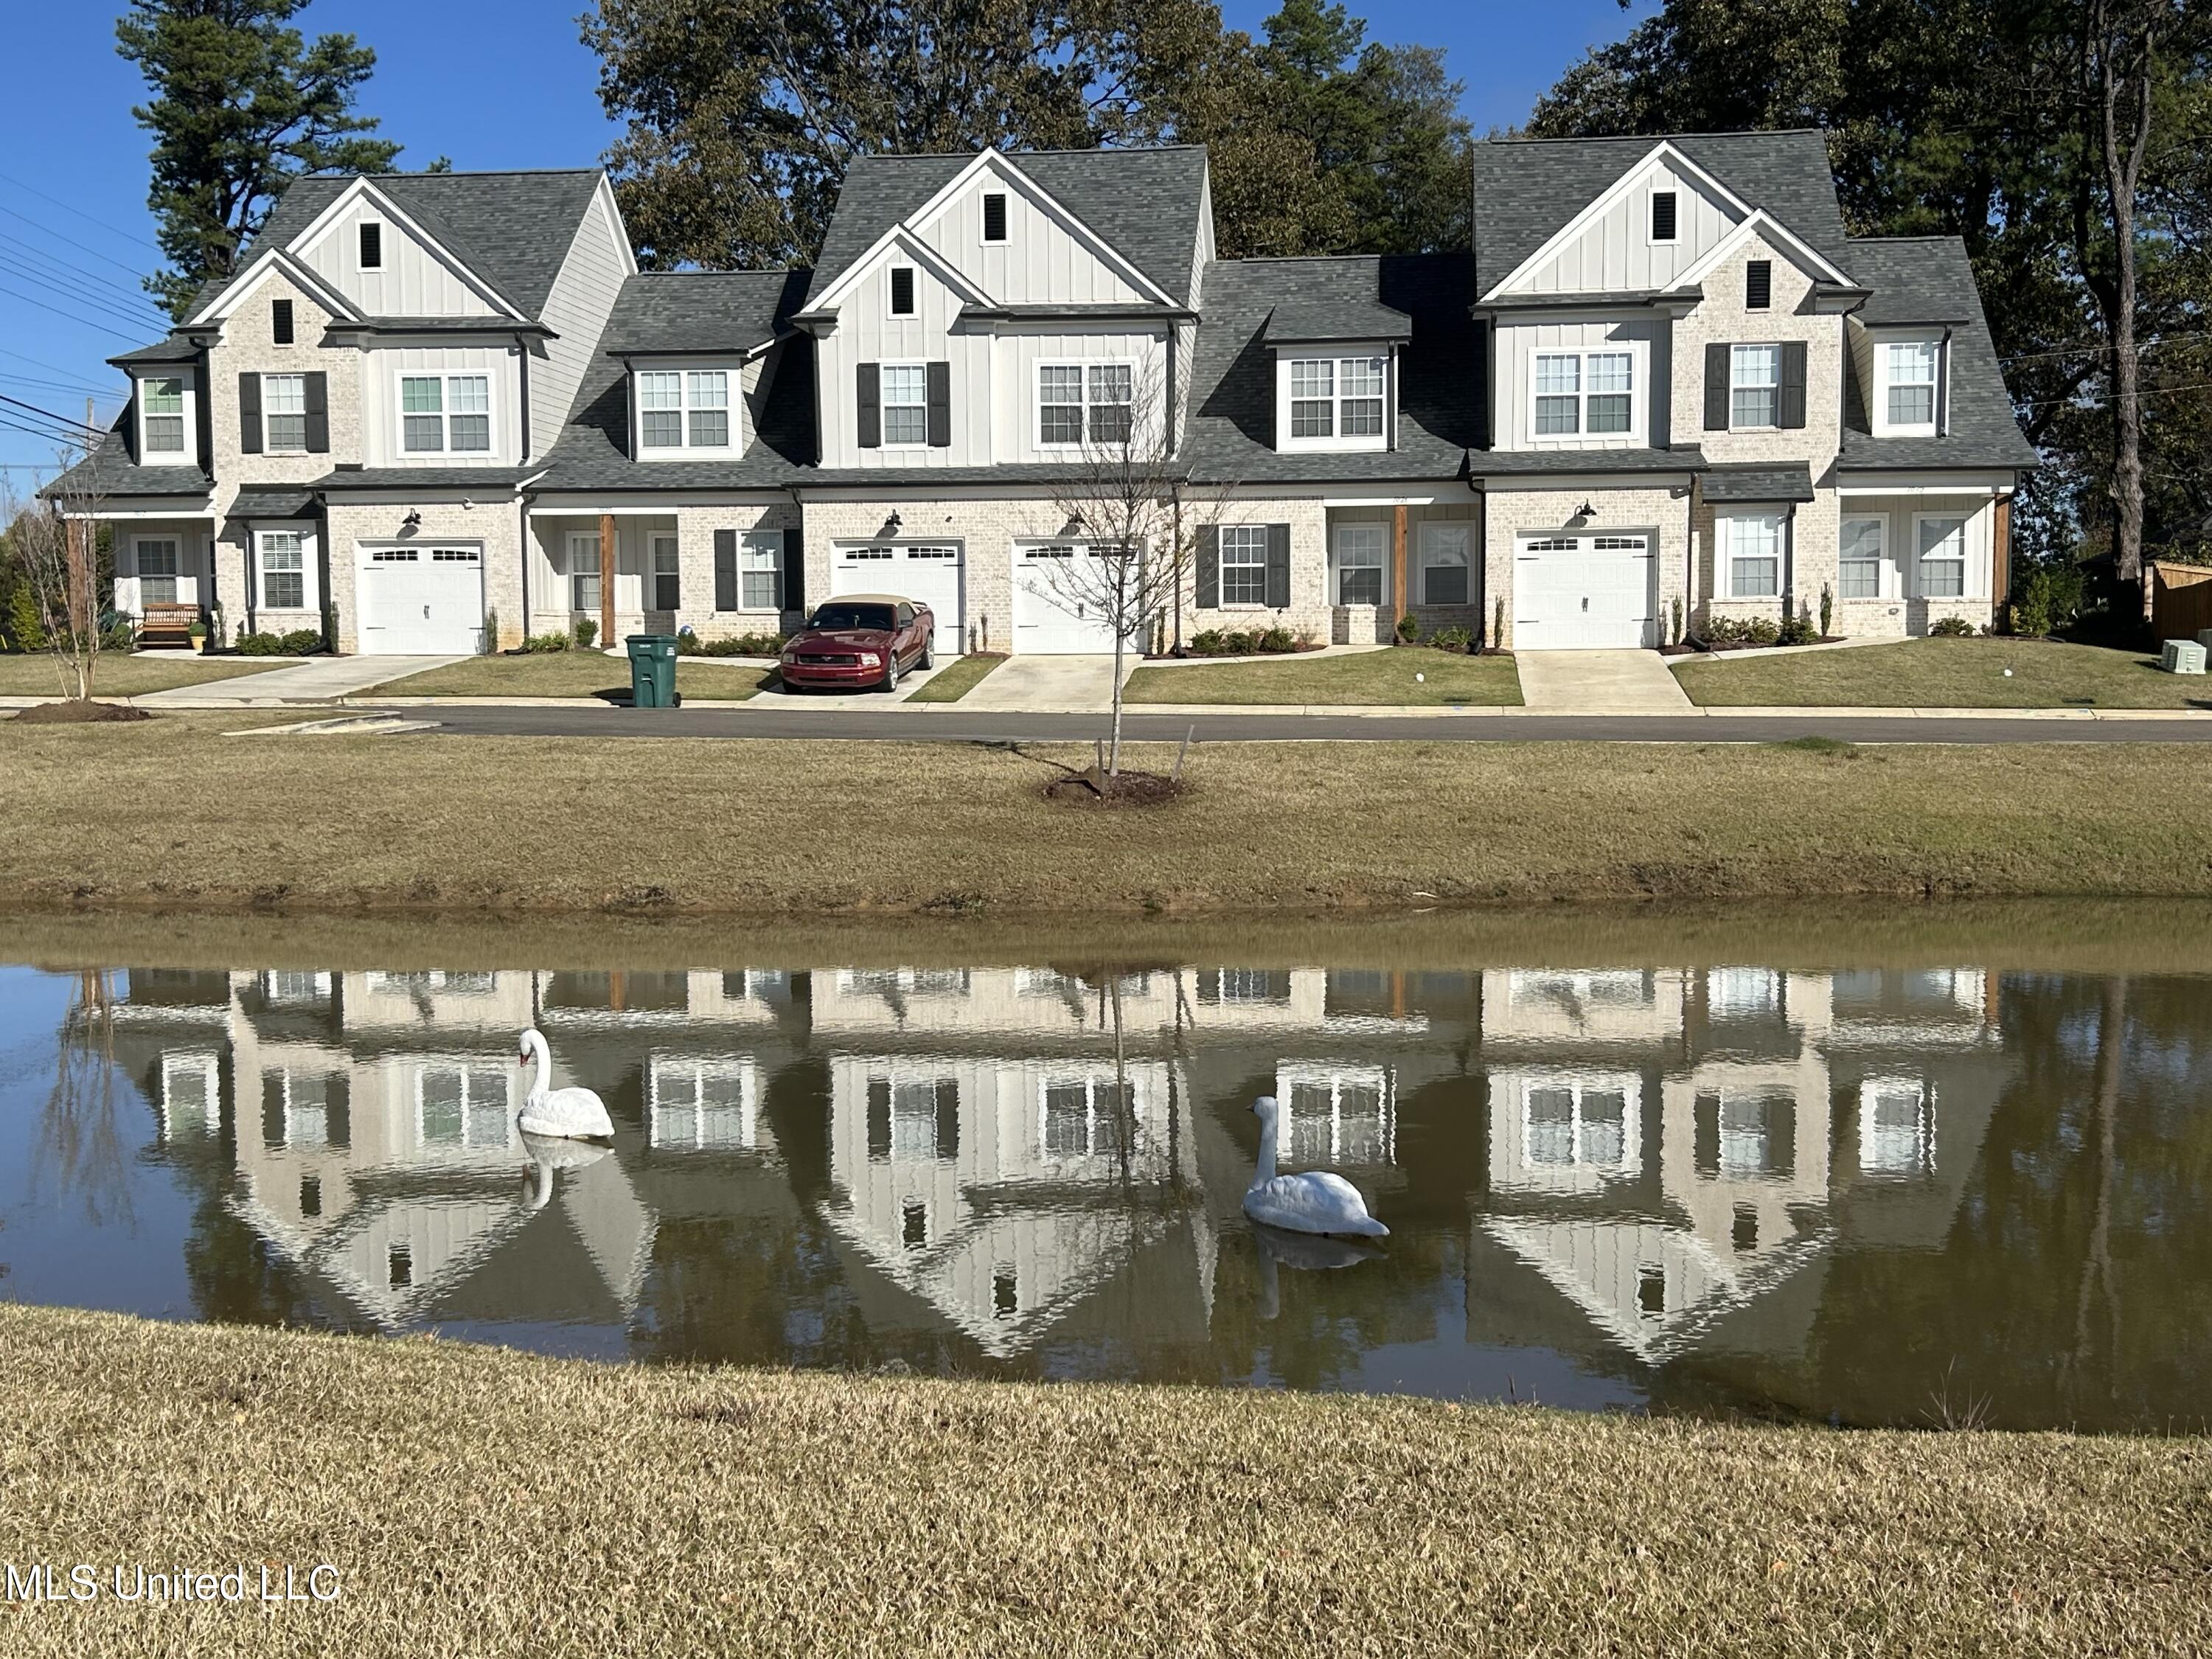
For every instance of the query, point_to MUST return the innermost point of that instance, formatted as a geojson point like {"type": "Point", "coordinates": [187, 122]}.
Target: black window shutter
{"type": "Point", "coordinates": [1716, 387]}
{"type": "Point", "coordinates": [249, 414]}
{"type": "Point", "coordinates": [871, 393]}
{"type": "Point", "coordinates": [1759, 285]}
{"type": "Point", "coordinates": [794, 569]}
{"type": "Point", "coordinates": [725, 570]}
{"type": "Point", "coordinates": [280, 322]}
{"type": "Point", "coordinates": [1209, 568]}
{"type": "Point", "coordinates": [318, 414]}
{"type": "Point", "coordinates": [940, 405]}
{"type": "Point", "coordinates": [1662, 216]}
{"type": "Point", "coordinates": [1789, 406]}
{"type": "Point", "coordinates": [1279, 567]}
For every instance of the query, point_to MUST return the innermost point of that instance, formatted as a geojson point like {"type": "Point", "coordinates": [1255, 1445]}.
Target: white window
{"type": "Point", "coordinates": [1909, 370]}
{"type": "Point", "coordinates": [679, 409]}
{"type": "Point", "coordinates": [1357, 564]}
{"type": "Point", "coordinates": [1446, 551]}
{"type": "Point", "coordinates": [159, 567]}
{"type": "Point", "coordinates": [1755, 555]}
{"type": "Point", "coordinates": [1337, 397]}
{"type": "Point", "coordinates": [1942, 544]}
{"type": "Point", "coordinates": [906, 403]}
{"type": "Point", "coordinates": [1896, 1127]}
{"type": "Point", "coordinates": [1859, 558]}
{"type": "Point", "coordinates": [1754, 386]}
{"type": "Point", "coordinates": [583, 570]}
{"type": "Point", "coordinates": [161, 419]}
{"type": "Point", "coordinates": [667, 572]}
{"type": "Point", "coordinates": [760, 569]}
{"type": "Point", "coordinates": [282, 554]}
{"type": "Point", "coordinates": [1245, 564]}
{"type": "Point", "coordinates": [1076, 400]}
{"type": "Point", "coordinates": [1579, 392]}
{"type": "Point", "coordinates": [447, 414]}
{"type": "Point", "coordinates": [284, 413]}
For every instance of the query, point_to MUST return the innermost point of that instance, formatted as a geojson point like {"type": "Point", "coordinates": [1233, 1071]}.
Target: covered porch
{"type": "Point", "coordinates": [1389, 558]}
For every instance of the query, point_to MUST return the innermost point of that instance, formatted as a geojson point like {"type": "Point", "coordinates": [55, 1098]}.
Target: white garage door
{"type": "Point", "coordinates": [1584, 593]}
{"type": "Point", "coordinates": [1052, 616]}
{"type": "Point", "coordinates": [928, 573]}
{"type": "Point", "coordinates": [422, 600]}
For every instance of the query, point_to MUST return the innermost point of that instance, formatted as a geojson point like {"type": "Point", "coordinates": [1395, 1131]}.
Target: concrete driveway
{"type": "Point", "coordinates": [315, 679]}
{"type": "Point", "coordinates": [1598, 681]}
{"type": "Point", "coordinates": [1046, 684]}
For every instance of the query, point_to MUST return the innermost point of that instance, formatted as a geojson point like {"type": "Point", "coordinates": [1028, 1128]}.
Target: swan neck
{"type": "Point", "coordinates": [1266, 1171]}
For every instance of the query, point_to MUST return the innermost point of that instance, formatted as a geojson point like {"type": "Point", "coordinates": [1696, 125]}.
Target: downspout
{"type": "Point", "coordinates": [522, 351]}
{"type": "Point", "coordinates": [1689, 557]}
{"type": "Point", "coordinates": [1790, 562]}
{"type": "Point", "coordinates": [1943, 386]}
{"type": "Point", "coordinates": [522, 501]}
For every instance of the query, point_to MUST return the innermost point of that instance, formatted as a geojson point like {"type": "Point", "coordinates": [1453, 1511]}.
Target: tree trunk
{"type": "Point", "coordinates": [1121, 644]}
{"type": "Point", "coordinates": [2124, 70]}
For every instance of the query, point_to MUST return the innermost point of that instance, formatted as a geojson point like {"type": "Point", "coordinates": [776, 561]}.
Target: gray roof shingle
{"type": "Point", "coordinates": [1144, 203]}
{"type": "Point", "coordinates": [177, 348]}
{"type": "Point", "coordinates": [1232, 413]}
{"type": "Point", "coordinates": [1929, 280]}
{"type": "Point", "coordinates": [689, 312]}
{"type": "Point", "coordinates": [1788, 481]}
{"type": "Point", "coordinates": [110, 474]}
{"type": "Point", "coordinates": [513, 229]}
{"type": "Point", "coordinates": [1526, 190]}
{"type": "Point", "coordinates": [1332, 298]}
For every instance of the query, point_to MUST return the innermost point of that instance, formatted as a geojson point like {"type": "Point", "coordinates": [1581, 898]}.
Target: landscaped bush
{"type": "Point", "coordinates": [537, 643]}
{"type": "Point", "coordinates": [300, 643]}
{"type": "Point", "coordinates": [1451, 639]}
{"type": "Point", "coordinates": [1735, 630]}
{"type": "Point", "coordinates": [741, 645]}
{"type": "Point", "coordinates": [1951, 628]}
{"type": "Point", "coordinates": [1409, 630]}
{"type": "Point", "coordinates": [588, 633]}
{"type": "Point", "coordinates": [1796, 630]}
{"type": "Point", "coordinates": [2048, 600]}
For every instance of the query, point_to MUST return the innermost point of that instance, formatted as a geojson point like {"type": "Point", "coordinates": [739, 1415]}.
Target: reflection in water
{"type": "Point", "coordinates": [1719, 1186]}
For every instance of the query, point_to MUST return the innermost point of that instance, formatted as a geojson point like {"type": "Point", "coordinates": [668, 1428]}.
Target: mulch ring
{"type": "Point", "coordinates": [1093, 787]}
{"type": "Point", "coordinates": [73, 712]}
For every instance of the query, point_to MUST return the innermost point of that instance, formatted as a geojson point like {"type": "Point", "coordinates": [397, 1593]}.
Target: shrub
{"type": "Point", "coordinates": [1451, 639]}
{"type": "Point", "coordinates": [26, 629]}
{"type": "Point", "coordinates": [1951, 628]}
{"type": "Point", "coordinates": [1678, 620]}
{"type": "Point", "coordinates": [1827, 610]}
{"type": "Point", "coordinates": [1796, 630]}
{"type": "Point", "coordinates": [1274, 640]}
{"type": "Point", "coordinates": [2047, 600]}
{"type": "Point", "coordinates": [588, 633]}
{"type": "Point", "coordinates": [1408, 631]}
{"type": "Point", "coordinates": [300, 643]}
{"type": "Point", "coordinates": [740, 645]}
{"type": "Point", "coordinates": [1307, 640]}
{"type": "Point", "coordinates": [1732, 630]}
{"type": "Point", "coordinates": [540, 642]}
{"type": "Point", "coordinates": [1237, 642]}
{"type": "Point", "coordinates": [1497, 627]}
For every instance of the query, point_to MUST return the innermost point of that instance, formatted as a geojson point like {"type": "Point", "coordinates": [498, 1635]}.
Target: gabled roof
{"type": "Point", "coordinates": [1232, 407]}
{"type": "Point", "coordinates": [1324, 300]}
{"type": "Point", "coordinates": [109, 473]}
{"type": "Point", "coordinates": [1527, 190]}
{"type": "Point", "coordinates": [177, 348]}
{"type": "Point", "coordinates": [1928, 280]}
{"type": "Point", "coordinates": [513, 229]}
{"type": "Point", "coordinates": [1146, 204]}
{"type": "Point", "coordinates": [703, 312]}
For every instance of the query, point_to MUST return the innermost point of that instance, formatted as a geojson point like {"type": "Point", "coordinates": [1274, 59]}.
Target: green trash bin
{"type": "Point", "coordinates": [652, 670]}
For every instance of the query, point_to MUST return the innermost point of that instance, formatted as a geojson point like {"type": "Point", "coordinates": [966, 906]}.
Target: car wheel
{"type": "Point", "coordinates": [891, 671]}
{"type": "Point", "coordinates": [928, 656]}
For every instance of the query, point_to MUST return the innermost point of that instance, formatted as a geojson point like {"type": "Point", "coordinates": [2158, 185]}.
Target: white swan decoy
{"type": "Point", "coordinates": [1316, 1202]}
{"type": "Point", "coordinates": [558, 1114]}
{"type": "Point", "coordinates": [546, 1155]}
{"type": "Point", "coordinates": [1305, 1252]}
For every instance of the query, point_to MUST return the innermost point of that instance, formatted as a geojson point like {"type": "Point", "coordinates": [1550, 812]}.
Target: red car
{"type": "Point", "coordinates": [864, 639]}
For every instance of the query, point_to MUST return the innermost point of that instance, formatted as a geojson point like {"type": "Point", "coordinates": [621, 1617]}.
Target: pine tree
{"type": "Point", "coordinates": [241, 105]}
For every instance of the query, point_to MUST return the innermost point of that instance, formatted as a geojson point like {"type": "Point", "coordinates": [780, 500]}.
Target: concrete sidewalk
{"type": "Point", "coordinates": [1030, 684]}
{"type": "Point", "coordinates": [313, 681]}
{"type": "Point", "coordinates": [1599, 682]}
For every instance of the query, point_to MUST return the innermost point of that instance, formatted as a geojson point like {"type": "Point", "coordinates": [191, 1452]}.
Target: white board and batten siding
{"type": "Point", "coordinates": [1042, 261]}
{"type": "Point", "coordinates": [1018, 353]}
{"type": "Point", "coordinates": [381, 371]}
{"type": "Point", "coordinates": [576, 309]}
{"type": "Point", "coordinates": [866, 333]}
{"type": "Point", "coordinates": [412, 280]}
{"type": "Point", "coordinates": [1614, 252]}
{"type": "Point", "coordinates": [1646, 339]}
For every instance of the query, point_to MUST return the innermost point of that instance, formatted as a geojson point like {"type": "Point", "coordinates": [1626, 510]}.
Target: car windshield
{"type": "Point", "coordinates": [837, 616]}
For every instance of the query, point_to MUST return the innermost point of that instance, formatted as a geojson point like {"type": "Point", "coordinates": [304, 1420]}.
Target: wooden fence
{"type": "Point", "coordinates": [2181, 599]}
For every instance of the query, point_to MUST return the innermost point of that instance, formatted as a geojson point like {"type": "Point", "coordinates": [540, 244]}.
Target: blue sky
{"type": "Point", "coordinates": [75, 232]}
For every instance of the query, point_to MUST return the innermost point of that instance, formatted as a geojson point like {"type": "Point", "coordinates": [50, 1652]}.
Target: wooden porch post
{"type": "Point", "coordinates": [2001, 564]}
{"type": "Point", "coordinates": [1398, 606]}
{"type": "Point", "coordinates": [606, 579]}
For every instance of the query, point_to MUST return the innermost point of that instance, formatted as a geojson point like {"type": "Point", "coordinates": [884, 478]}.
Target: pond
{"type": "Point", "coordinates": [1851, 1169]}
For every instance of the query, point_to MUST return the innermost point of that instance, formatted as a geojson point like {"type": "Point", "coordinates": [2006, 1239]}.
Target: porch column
{"type": "Point", "coordinates": [1398, 606]}
{"type": "Point", "coordinates": [2001, 565]}
{"type": "Point", "coordinates": [606, 579]}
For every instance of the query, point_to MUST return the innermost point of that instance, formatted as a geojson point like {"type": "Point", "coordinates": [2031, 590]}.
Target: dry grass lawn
{"type": "Point", "coordinates": [955, 679]}
{"type": "Point", "coordinates": [570, 674]}
{"type": "Point", "coordinates": [126, 674]}
{"type": "Point", "coordinates": [172, 812]}
{"type": "Point", "coordinates": [1934, 673]}
{"type": "Point", "coordinates": [490, 1503]}
{"type": "Point", "coordinates": [1367, 678]}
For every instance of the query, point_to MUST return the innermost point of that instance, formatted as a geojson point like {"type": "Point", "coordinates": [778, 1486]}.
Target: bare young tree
{"type": "Point", "coordinates": [1134, 522]}
{"type": "Point", "coordinates": [53, 540]}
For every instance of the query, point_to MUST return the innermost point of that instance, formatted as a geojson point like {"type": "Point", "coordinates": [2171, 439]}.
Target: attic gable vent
{"type": "Point", "coordinates": [372, 247]}
{"type": "Point", "coordinates": [1758, 284]}
{"type": "Point", "coordinates": [994, 216]}
{"type": "Point", "coordinates": [901, 290]}
{"type": "Point", "coordinates": [1662, 216]}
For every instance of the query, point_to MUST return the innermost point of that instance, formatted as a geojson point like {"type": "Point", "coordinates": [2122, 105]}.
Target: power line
{"type": "Point", "coordinates": [73, 388]}
{"type": "Point", "coordinates": [65, 420]}
{"type": "Point", "coordinates": [35, 362]}
{"type": "Point", "coordinates": [2154, 391]}
{"type": "Point", "coordinates": [97, 302]}
{"type": "Point", "coordinates": [2103, 350]}
{"type": "Point", "coordinates": [74, 317]}
{"type": "Point", "coordinates": [107, 285]}
{"type": "Point", "coordinates": [112, 230]}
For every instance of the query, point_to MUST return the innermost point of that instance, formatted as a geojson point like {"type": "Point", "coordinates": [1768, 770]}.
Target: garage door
{"type": "Point", "coordinates": [928, 573]}
{"type": "Point", "coordinates": [422, 600]}
{"type": "Point", "coordinates": [1584, 593]}
{"type": "Point", "coordinates": [1052, 615]}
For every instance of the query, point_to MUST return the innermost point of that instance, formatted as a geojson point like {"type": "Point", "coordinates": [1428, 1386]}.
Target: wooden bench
{"type": "Point", "coordinates": [167, 624]}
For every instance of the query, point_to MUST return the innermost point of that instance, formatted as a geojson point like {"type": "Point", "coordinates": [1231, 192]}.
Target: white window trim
{"type": "Point", "coordinates": [1883, 426]}
{"type": "Point", "coordinates": [1884, 564]}
{"type": "Point", "coordinates": [189, 455]}
{"type": "Point", "coordinates": [884, 406]}
{"type": "Point", "coordinates": [589, 539]}
{"type": "Point", "coordinates": [488, 456]}
{"type": "Point", "coordinates": [1724, 534]}
{"type": "Point", "coordinates": [655, 540]}
{"type": "Point", "coordinates": [1221, 548]}
{"type": "Point", "coordinates": [185, 559]}
{"type": "Point", "coordinates": [1422, 559]}
{"type": "Point", "coordinates": [755, 542]}
{"type": "Point", "coordinates": [890, 293]}
{"type": "Point", "coordinates": [310, 594]}
{"type": "Point", "coordinates": [1737, 347]}
{"type": "Point", "coordinates": [1085, 365]}
{"type": "Point", "coordinates": [733, 407]}
{"type": "Point", "coordinates": [1336, 535]}
{"type": "Point", "coordinates": [1583, 437]}
{"type": "Point", "coordinates": [269, 447]}
{"type": "Point", "coordinates": [1336, 441]}
{"type": "Point", "coordinates": [1674, 191]}
{"type": "Point", "coordinates": [1967, 560]}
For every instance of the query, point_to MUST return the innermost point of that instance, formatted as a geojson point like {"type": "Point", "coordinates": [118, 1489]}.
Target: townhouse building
{"type": "Point", "coordinates": [437, 413]}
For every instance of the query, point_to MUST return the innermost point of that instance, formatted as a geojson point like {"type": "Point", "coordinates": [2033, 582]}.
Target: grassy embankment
{"type": "Point", "coordinates": [173, 812]}
{"type": "Point", "coordinates": [1368, 679]}
{"type": "Point", "coordinates": [955, 679]}
{"type": "Point", "coordinates": [1936, 673]}
{"type": "Point", "coordinates": [487, 1502]}
{"type": "Point", "coordinates": [126, 674]}
{"type": "Point", "coordinates": [570, 674]}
